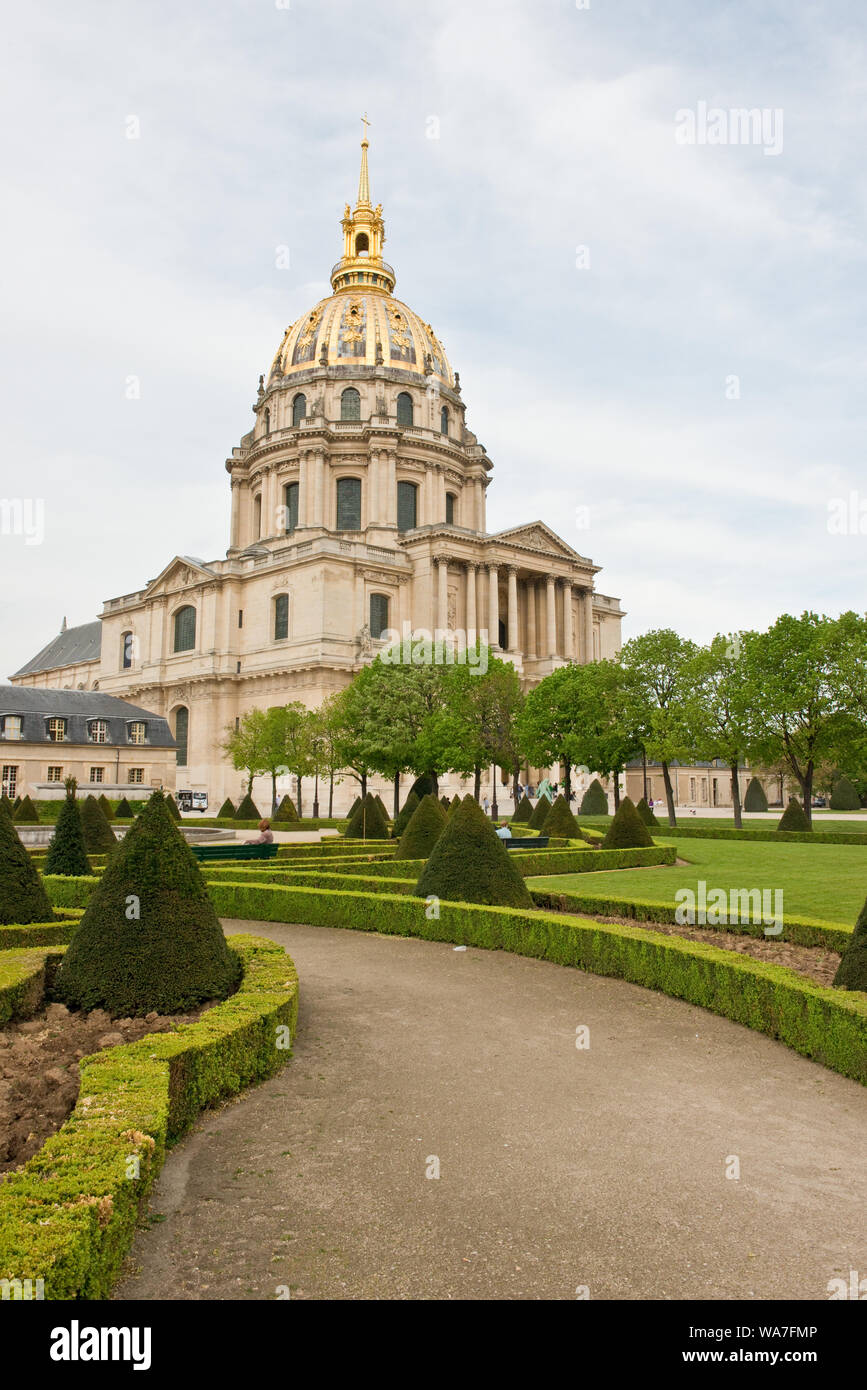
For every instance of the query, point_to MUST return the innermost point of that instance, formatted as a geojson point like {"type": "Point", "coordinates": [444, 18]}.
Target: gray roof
{"type": "Point", "coordinates": [36, 707]}
{"type": "Point", "coordinates": [73, 645]}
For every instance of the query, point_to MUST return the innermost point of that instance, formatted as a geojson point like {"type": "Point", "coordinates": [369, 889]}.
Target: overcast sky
{"type": "Point", "coordinates": [682, 399]}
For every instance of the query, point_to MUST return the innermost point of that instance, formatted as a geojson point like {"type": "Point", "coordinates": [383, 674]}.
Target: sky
{"type": "Point", "coordinates": [657, 311]}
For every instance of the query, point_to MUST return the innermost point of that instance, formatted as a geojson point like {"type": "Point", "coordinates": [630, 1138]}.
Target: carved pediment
{"type": "Point", "coordinates": [537, 536]}
{"type": "Point", "coordinates": [180, 573]}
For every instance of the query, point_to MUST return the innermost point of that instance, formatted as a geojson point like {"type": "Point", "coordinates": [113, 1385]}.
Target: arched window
{"type": "Point", "coordinates": [362, 245]}
{"type": "Point", "coordinates": [182, 733]}
{"type": "Point", "coordinates": [450, 508]}
{"type": "Point", "coordinates": [404, 408]}
{"type": "Point", "coordinates": [349, 504]}
{"type": "Point", "coordinates": [267, 420]}
{"type": "Point", "coordinates": [444, 420]}
{"type": "Point", "coordinates": [128, 648]}
{"type": "Point", "coordinates": [350, 404]}
{"type": "Point", "coordinates": [378, 615]}
{"type": "Point", "coordinates": [407, 506]}
{"type": "Point", "coordinates": [185, 629]}
{"type": "Point", "coordinates": [281, 617]}
{"type": "Point", "coordinates": [257, 516]}
{"type": "Point", "coordinates": [299, 408]}
{"type": "Point", "coordinates": [290, 506]}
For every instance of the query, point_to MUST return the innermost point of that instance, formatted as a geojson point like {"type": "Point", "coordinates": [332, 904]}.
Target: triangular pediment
{"type": "Point", "coordinates": [535, 535]}
{"type": "Point", "coordinates": [180, 573]}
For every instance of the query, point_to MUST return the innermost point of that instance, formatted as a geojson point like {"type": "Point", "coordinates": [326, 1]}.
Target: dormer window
{"type": "Point", "coordinates": [12, 726]}
{"type": "Point", "coordinates": [56, 730]}
{"type": "Point", "coordinates": [138, 731]}
{"type": "Point", "coordinates": [98, 731]}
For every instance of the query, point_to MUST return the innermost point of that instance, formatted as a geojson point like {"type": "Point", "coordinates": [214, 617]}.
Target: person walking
{"type": "Point", "coordinates": [485, 804]}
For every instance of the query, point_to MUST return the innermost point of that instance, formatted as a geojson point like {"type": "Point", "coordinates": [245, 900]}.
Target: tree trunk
{"type": "Point", "coordinates": [364, 784]}
{"type": "Point", "coordinates": [669, 795]}
{"type": "Point", "coordinates": [331, 796]}
{"type": "Point", "coordinates": [516, 777]}
{"type": "Point", "coordinates": [567, 779]}
{"type": "Point", "coordinates": [495, 810]}
{"type": "Point", "coordinates": [477, 782]}
{"type": "Point", "coordinates": [736, 795]}
{"type": "Point", "coordinates": [807, 789]}
{"type": "Point", "coordinates": [396, 795]}
{"type": "Point", "coordinates": [644, 771]}
{"type": "Point", "coordinates": [273, 793]}
{"type": "Point", "coordinates": [436, 784]}
{"type": "Point", "coordinates": [316, 798]}
{"type": "Point", "coordinates": [299, 798]}
{"type": "Point", "coordinates": [616, 775]}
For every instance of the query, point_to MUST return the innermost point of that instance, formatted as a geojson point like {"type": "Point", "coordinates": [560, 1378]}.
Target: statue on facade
{"type": "Point", "coordinates": [366, 640]}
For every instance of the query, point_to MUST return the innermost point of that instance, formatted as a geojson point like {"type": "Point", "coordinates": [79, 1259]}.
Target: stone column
{"type": "Point", "coordinates": [442, 593]}
{"type": "Point", "coordinates": [304, 508]}
{"type": "Point", "coordinates": [318, 518]}
{"type": "Point", "coordinates": [531, 619]}
{"type": "Point", "coordinates": [493, 607]}
{"type": "Point", "coordinates": [391, 487]}
{"type": "Point", "coordinates": [479, 498]}
{"type": "Point", "coordinates": [568, 644]}
{"type": "Point", "coordinates": [471, 602]}
{"type": "Point", "coordinates": [588, 625]}
{"type": "Point", "coordinates": [236, 513]}
{"type": "Point", "coordinates": [551, 617]}
{"type": "Point", "coordinates": [512, 635]}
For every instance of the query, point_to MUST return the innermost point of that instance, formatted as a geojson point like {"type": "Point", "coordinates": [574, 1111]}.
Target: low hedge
{"type": "Point", "coordinates": [826, 1024]}
{"type": "Point", "coordinates": [69, 1215]}
{"type": "Point", "coordinates": [728, 832]}
{"type": "Point", "coordinates": [68, 890]}
{"type": "Point", "coordinates": [587, 861]}
{"type": "Point", "coordinates": [24, 979]}
{"type": "Point", "coordinates": [804, 931]}
{"type": "Point", "coordinates": [57, 933]}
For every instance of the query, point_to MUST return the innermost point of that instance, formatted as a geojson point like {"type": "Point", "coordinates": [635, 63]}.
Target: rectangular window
{"type": "Point", "coordinates": [291, 504]}
{"type": "Point", "coordinates": [56, 730]}
{"type": "Point", "coordinates": [281, 617]}
{"type": "Point", "coordinates": [12, 725]}
{"type": "Point", "coordinates": [407, 495]}
{"type": "Point", "coordinates": [98, 731]}
{"type": "Point", "coordinates": [349, 504]}
{"type": "Point", "coordinates": [182, 730]}
{"type": "Point", "coordinates": [692, 789]}
{"type": "Point", "coordinates": [55, 774]}
{"type": "Point", "coordinates": [138, 731]}
{"type": "Point", "coordinates": [135, 774]}
{"type": "Point", "coordinates": [378, 615]}
{"type": "Point", "coordinates": [240, 617]}
{"type": "Point", "coordinates": [10, 780]}
{"type": "Point", "coordinates": [96, 774]}
{"type": "Point", "coordinates": [450, 509]}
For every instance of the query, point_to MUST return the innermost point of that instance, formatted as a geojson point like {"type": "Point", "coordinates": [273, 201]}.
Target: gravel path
{"type": "Point", "coordinates": [559, 1168]}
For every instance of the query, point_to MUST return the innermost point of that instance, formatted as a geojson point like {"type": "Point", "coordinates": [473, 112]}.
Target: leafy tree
{"type": "Point", "coordinates": [245, 746]}
{"type": "Point", "coordinates": [715, 711]}
{"type": "Point", "coordinates": [658, 665]}
{"type": "Point", "coordinates": [327, 752]}
{"type": "Point", "coordinates": [288, 745]}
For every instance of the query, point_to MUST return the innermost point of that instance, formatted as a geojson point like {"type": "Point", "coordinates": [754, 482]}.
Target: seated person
{"type": "Point", "coordinates": [265, 836]}
{"type": "Point", "coordinates": [504, 832]}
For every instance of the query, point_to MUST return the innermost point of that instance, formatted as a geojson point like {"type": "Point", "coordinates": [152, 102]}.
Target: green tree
{"type": "Point", "coordinates": [715, 710]}
{"type": "Point", "coordinates": [245, 745]}
{"type": "Point", "coordinates": [658, 666]}
{"type": "Point", "coordinates": [288, 745]}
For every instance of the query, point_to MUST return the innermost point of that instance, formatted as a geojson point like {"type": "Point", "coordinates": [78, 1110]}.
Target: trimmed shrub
{"type": "Point", "coordinates": [469, 863]}
{"type": "Point", "coordinates": [523, 811]}
{"type": "Point", "coordinates": [67, 853]}
{"type": "Point", "coordinates": [248, 810]}
{"type": "Point", "coordinates": [627, 830]}
{"type": "Point", "coordinates": [172, 954]}
{"type": "Point", "coordinates": [793, 817]}
{"type": "Point", "coordinates": [25, 813]}
{"type": "Point", "coordinates": [540, 814]}
{"type": "Point", "coordinates": [368, 822]}
{"type": "Point", "coordinates": [425, 825]}
{"type": "Point", "coordinates": [124, 810]}
{"type": "Point", "coordinates": [844, 796]}
{"type": "Point", "coordinates": [595, 800]}
{"type": "Point", "coordinates": [403, 817]}
{"type": "Point", "coordinates": [645, 813]}
{"type": "Point", "coordinates": [382, 808]}
{"type": "Point", "coordinates": [560, 820]}
{"type": "Point", "coordinates": [454, 807]}
{"type": "Point", "coordinates": [106, 806]}
{"type": "Point", "coordinates": [173, 808]}
{"type": "Point", "coordinates": [227, 811]}
{"type": "Point", "coordinates": [286, 810]}
{"type": "Point", "coordinates": [6, 807]}
{"type": "Point", "coordinates": [445, 802]}
{"type": "Point", "coordinates": [99, 837]}
{"type": "Point", "coordinates": [22, 894]}
{"type": "Point", "coordinates": [353, 808]}
{"type": "Point", "coordinates": [852, 970]}
{"type": "Point", "coordinates": [423, 786]}
{"type": "Point", "coordinates": [755, 798]}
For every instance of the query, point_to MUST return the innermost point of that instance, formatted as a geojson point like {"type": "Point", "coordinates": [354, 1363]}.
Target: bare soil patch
{"type": "Point", "coordinates": [39, 1074]}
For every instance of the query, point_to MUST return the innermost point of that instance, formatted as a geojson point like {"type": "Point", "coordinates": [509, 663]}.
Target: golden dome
{"type": "Point", "coordinates": [362, 323]}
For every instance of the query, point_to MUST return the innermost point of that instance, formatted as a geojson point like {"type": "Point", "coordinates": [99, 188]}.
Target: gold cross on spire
{"type": "Point", "coordinates": [365, 122]}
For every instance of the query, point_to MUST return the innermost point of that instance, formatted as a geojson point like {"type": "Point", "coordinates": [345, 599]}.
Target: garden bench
{"type": "Point", "coordinates": [533, 842]}
{"type": "Point", "coordinates": [212, 852]}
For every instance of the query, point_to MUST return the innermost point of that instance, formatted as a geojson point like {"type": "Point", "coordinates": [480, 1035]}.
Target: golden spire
{"type": "Point", "coordinates": [364, 178]}
{"type": "Point", "coordinates": [363, 236]}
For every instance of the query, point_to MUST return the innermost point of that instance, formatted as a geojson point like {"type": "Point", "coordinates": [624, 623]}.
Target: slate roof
{"type": "Point", "coordinates": [36, 707]}
{"type": "Point", "coordinates": [75, 644]}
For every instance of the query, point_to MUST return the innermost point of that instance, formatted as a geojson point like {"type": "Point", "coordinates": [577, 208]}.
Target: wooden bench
{"type": "Point", "coordinates": [208, 853]}
{"type": "Point", "coordinates": [534, 842]}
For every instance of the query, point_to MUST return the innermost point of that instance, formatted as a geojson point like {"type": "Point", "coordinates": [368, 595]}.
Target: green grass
{"type": "Point", "coordinates": [827, 882]}
{"type": "Point", "coordinates": [822, 820]}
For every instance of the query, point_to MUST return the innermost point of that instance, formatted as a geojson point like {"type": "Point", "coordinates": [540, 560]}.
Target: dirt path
{"type": "Point", "coordinates": [559, 1168]}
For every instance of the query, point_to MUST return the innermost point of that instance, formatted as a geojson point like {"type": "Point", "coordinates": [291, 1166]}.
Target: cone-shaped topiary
{"type": "Point", "coordinates": [852, 970]}
{"type": "Point", "coordinates": [540, 814]}
{"type": "Point", "coordinates": [26, 813]}
{"type": "Point", "coordinates": [353, 808]}
{"type": "Point", "coordinates": [173, 808]}
{"type": "Point", "coordinates": [560, 820]}
{"type": "Point", "coordinates": [793, 817]}
{"type": "Point", "coordinates": [469, 863]}
{"type": "Point", "coordinates": [6, 806]}
{"type": "Point", "coordinates": [248, 810]}
{"type": "Point", "coordinates": [403, 817]}
{"type": "Point", "coordinates": [423, 786]}
{"type": "Point", "coordinates": [595, 800]}
{"type": "Point", "coordinates": [106, 806]}
{"type": "Point", "coordinates": [168, 953]}
{"type": "Point", "coordinates": [286, 810]}
{"type": "Point", "coordinates": [15, 804]}
{"type": "Point", "coordinates": [844, 796]}
{"type": "Point", "coordinates": [67, 853]}
{"type": "Point", "coordinates": [124, 810]}
{"type": "Point", "coordinates": [523, 811]}
{"type": "Point", "coordinates": [227, 810]}
{"type": "Point", "coordinates": [98, 834]}
{"type": "Point", "coordinates": [445, 802]}
{"type": "Point", "coordinates": [22, 895]}
{"type": "Point", "coordinates": [383, 809]}
{"type": "Point", "coordinates": [454, 806]}
{"type": "Point", "coordinates": [645, 813]}
{"type": "Point", "coordinates": [756, 797]}
{"type": "Point", "coordinates": [368, 822]}
{"type": "Point", "coordinates": [424, 828]}
{"type": "Point", "coordinates": [627, 830]}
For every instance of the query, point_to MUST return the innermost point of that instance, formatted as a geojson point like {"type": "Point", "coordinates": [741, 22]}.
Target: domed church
{"type": "Point", "coordinates": [358, 515]}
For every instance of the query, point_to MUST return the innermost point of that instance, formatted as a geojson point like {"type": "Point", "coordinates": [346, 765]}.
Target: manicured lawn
{"type": "Point", "coordinates": [822, 820]}
{"type": "Point", "coordinates": [826, 882]}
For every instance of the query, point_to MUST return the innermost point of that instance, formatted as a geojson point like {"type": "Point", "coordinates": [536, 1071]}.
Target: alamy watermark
{"type": "Point", "coordinates": [737, 907]}
{"type": "Point", "coordinates": [23, 516]}
{"type": "Point", "coordinates": [443, 647]}
{"type": "Point", "coordinates": [737, 126]}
